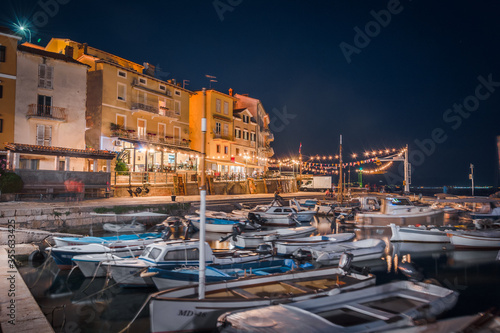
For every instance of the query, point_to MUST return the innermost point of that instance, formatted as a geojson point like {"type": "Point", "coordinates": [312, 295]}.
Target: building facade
{"type": "Point", "coordinates": [244, 148]}
{"type": "Point", "coordinates": [8, 75]}
{"type": "Point", "coordinates": [264, 134]}
{"type": "Point", "coordinates": [131, 112]}
{"type": "Point", "coordinates": [50, 109]}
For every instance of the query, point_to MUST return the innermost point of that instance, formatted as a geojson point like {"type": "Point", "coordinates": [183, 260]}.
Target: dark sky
{"type": "Point", "coordinates": [404, 74]}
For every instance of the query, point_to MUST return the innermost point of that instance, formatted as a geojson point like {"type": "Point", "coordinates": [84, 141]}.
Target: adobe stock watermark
{"type": "Point", "coordinates": [280, 119]}
{"type": "Point", "coordinates": [223, 6]}
{"type": "Point", "coordinates": [372, 29]}
{"type": "Point", "coordinates": [454, 117]}
{"type": "Point", "coordinates": [49, 9]}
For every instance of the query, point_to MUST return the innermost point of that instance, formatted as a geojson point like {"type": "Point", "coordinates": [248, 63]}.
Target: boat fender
{"type": "Point", "coordinates": [37, 256]}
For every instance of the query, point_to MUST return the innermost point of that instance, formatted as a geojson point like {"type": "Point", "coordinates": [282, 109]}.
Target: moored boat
{"type": "Point", "coordinates": [400, 211]}
{"type": "Point", "coordinates": [365, 249]}
{"type": "Point", "coordinates": [179, 309]}
{"type": "Point", "coordinates": [476, 239]}
{"type": "Point", "coordinates": [420, 234]}
{"type": "Point", "coordinates": [287, 247]}
{"type": "Point", "coordinates": [63, 254]}
{"type": "Point", "coordinates": [373, 309]}
{"type": "Point", "coordinates": [254, 239]}
{"type": "Point", "coordinates": [112, 241]}
{"type": "Point", "coordinates": [223, 225]}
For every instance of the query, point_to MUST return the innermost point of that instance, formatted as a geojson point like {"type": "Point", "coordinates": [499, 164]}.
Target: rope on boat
{"type": "Point", "coordinates": [126, 328]}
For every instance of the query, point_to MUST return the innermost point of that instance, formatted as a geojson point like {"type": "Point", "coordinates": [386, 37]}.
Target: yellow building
{"type": "Point", "coordinates": [220, 130]}
{"type": "Point", "coordinates": [8, 72]}
{"type": "Point", "coordinates": [132, 112]}
{"type": "Point", "coordinates": [244, 148]}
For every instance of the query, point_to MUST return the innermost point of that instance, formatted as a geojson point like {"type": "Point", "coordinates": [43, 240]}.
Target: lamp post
{"type": "Point", "coordinates": [22, 28]}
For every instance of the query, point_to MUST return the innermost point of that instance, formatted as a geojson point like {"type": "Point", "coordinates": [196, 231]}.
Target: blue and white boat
{"type": "Point", "coordinates": [63, 254]}
{"type": "Point", "coordinates": [171, 255]}
{"type": "Point", "coordinates": [112, 241]}
{"type": "Point", "coordinates": [165, 279]}
{"type": "Point", "coordinates": [221, 224]}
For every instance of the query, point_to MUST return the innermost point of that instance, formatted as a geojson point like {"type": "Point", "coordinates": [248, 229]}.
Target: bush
{"type": "Point", "coordinates": [11, 183]}
{"type": "Point", "coordinates": [121, 168]}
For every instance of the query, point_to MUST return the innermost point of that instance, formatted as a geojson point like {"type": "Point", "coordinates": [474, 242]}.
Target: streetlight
{"type": "Point", "coordinates": [23, 28]}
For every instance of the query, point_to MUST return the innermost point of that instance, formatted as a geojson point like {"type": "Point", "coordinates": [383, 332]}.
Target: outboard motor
{"type": "Point", "coordinates": [302, 255]}
{"type": "Point", "coordinates": [345, 264]}
{"type": "Point", "coordinates": [167, 233]}
{"type": "Point", "coordinates": [264, 249]}
{"type": "Point", "coordinates": [189, 230]}
{"type": "Point", "coordinates": [254, 218]}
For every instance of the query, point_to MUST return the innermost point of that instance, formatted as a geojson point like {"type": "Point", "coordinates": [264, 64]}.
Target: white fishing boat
{"type": "Point", "coordinates": [90, 264]}
{"type": "Point", "coordinates": [421, 234]}
{"type": "Point", "coordinates": [250, 240]}
{"type": "Point", "coordinates": [362, 250]}
{"type": "Point", "coordinates": [287, 247]}
{"type": "Point", "coordinates": [476, 239]}
{"type": "Point", "coordinates": [180, 309]}
{"type": "Point", "coordinates": [63, 254]}
{"type": "Point", "coordinates": [277, 211]}
{"type": "Point", "coordinates": [400, 211]}
{"type": "Point", "coordinates": [373, 309]}
{"type": "Point", "coordinates": [222, 225]}
{"type": "Point", "coordinates": [363, 204]}
{"type": "Point", "coordinates": [170, 255]}
{"type": "Point", "coordinates": [135, 226]}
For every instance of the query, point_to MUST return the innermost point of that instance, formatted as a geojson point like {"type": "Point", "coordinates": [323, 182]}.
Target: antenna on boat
{"type": "Point", "coordinates": [203, 194]}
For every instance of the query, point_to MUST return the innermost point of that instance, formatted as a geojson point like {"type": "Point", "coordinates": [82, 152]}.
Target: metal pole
{"type": "Point", "coordinates": [407, 172]}
{"type": "Point", "coordinates": [341, 183]}
{"type": "Point", "coordinates": [203, 194]}
{"type": "Point", "coordinates": [472, 177]}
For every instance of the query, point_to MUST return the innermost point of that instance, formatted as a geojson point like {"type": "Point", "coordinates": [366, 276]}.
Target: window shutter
{"type": "Point", "coordinates": [177, 107]}
{"type": "Point", "coordinates": [41, 75]}
{"type": "Point", "coordinates": [49, 75]}
{"type": "Point", "coordinates": [48, 136]}
{"type": "Point", "coordinates": [40, 129]}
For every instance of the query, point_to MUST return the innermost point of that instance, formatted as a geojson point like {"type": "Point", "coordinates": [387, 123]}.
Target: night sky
{"type": "Point", "coordinates": [382, 73]}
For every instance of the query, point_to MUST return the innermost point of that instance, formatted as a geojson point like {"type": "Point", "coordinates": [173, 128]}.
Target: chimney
{"type": "Point", "coordinates": [149, 69]}
{"type": "Point", "coordinates": [230, 91]}
{"type": "Point", "coordinates": [68, 51]}
{"type": "Point", "coordinates": [85, 46]}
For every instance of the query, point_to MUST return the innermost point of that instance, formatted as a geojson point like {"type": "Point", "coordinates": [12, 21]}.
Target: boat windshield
{"type": "Point", "coordinates": [400, 202]}
{"type": "Point", "coordinates": [155, 252]}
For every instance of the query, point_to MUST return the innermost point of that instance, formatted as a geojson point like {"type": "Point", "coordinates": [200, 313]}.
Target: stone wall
{"type": "Point", "coordinates": [76, 219]}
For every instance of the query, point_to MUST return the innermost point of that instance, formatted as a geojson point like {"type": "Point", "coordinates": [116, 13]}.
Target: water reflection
{"type": "Point", "coordinates": [73, 303]}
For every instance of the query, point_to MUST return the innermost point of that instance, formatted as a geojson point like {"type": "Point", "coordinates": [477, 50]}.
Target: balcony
{"type": "Point", "coordinates": [150, 137]}
{"type": "Point", "coordinates": [46, 112]}
{"type": "Point", "coordinates": [161, 111]}
{"type": "Point", "coordinates": [220, 136]}
{"type": "Point", "coordinates": [270, 136]}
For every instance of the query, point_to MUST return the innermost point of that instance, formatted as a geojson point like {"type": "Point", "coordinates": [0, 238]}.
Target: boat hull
{"type": "Point", "coordinates": [368, 249]}
{"type": "Point", "coordinates": [469, 241]}
{"type": "Point", "coordinates": [288, 247]}
{"type": "Point", "coordinates": [379, 219]}
{"type": "Point", "coordinates": [179, 310]}
{"type": "Point", "coordinates": [409, 234]}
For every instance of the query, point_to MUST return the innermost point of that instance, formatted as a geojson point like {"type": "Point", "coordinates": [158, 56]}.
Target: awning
{"type": "Point", "coordinates": [60, 151]}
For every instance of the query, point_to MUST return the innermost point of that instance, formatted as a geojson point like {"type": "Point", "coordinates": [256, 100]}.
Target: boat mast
{"type": "Point", "coordinates": [203, 193]}
{"type": "Point", "coordinates": [341, 185]}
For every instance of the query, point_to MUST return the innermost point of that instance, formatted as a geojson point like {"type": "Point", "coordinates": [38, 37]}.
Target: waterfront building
{"type": "Point", "coordinates": [50, 104]}
{"type": "Point", "coordinates": [8, 75]}
{"type": "Point", "coordinates": [220, 131]}
{"type": "Point", "coordinates": [264, 136]}
{"type": "Point", "coordinates": [243, 150]}
{"type": "Point", "coordinates": [131, 112]}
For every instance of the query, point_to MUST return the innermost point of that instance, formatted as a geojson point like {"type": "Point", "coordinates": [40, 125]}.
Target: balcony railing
{"type": "Point", "coordinates": [218, 135]}
{"type": "Point", "coordinates": [162, 110]}
{"type": "Point", "coordinates": [46, 112]}
{"type": "Point", "coordinates": [150, 137]}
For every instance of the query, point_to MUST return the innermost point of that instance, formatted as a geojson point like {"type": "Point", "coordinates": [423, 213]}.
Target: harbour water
{"type": "Point", "coordinates": [73, 303]}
